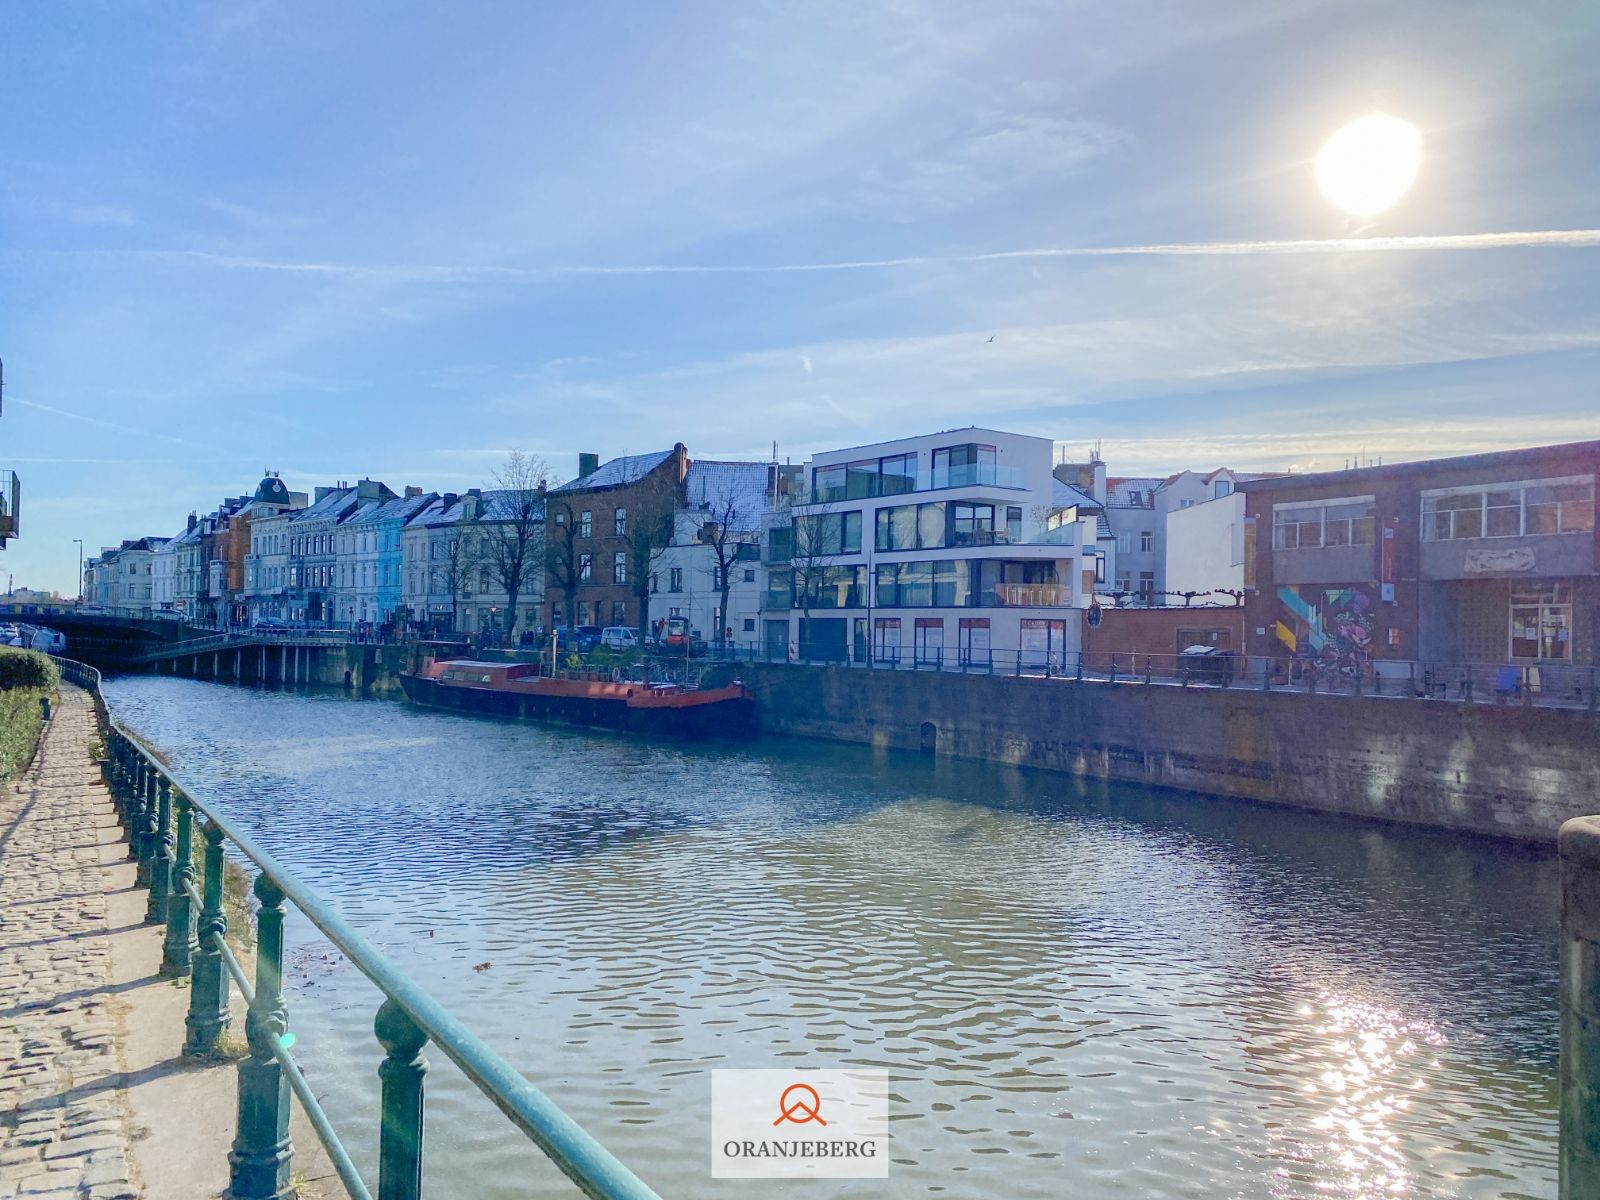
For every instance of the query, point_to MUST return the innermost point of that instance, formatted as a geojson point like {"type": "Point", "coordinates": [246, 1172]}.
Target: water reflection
{"type": "Point", "coordinates": [1079, 991]}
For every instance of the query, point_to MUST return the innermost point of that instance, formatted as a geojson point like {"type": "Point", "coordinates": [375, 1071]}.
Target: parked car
{"type": "Point", "coordinates": [580, 638]}
{"type": "Point", "coordinates": [619, 637]}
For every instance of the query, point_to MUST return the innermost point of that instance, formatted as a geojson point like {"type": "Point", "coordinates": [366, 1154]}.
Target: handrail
{"type": "Point", "coordinates": [149, 794]}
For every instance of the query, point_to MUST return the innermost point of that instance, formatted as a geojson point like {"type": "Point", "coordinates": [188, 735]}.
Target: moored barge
{"type": "Point", "coordinates": [520, 691]}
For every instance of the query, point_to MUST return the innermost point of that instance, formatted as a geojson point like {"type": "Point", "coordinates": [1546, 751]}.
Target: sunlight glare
{"type": "Point", "coordinates": [1367, 166]}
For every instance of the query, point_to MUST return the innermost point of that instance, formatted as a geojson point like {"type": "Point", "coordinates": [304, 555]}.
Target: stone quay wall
{"type": "Point", "coordinates": [1501, 770]}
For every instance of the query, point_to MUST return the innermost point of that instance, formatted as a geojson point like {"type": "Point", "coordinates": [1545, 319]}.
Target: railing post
{"type": "Point", "coordinates": [259, 1161]}
{"type": "Point", "coordinates": [149, 823]}
{"type": "Point", "coordinates": [161, 853]}
{"type": "Point", "coordinates": [177, 950]}
{"type": "Point", "coordinates": [1149, 668]}
{"type": "Point", "coordinates": [208, 985]}
{"type": "Point", "coordinates": [136, 818]}
{"type": "Point", "coordinates": [1266, 675]}
{"type": "Point", "coordinates": [400, 1134]}
{"type": "Point", "coordinates": [1112, 678]}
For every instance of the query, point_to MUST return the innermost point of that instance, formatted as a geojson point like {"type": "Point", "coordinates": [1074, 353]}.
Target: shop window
{"type": "Point", "coordinates": [1541, 621]}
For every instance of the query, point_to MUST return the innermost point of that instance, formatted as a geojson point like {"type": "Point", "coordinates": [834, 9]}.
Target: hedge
{"type": "Point", "coordinates": [27, 669]}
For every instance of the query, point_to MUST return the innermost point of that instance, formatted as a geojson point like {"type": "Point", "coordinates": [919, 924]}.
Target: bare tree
{"type": "Point", "coordinates": [561, 556]}
{"type": "Point", "coordinates": [456, 563]}
{"type": "Point", "coordinates": [510, 544]}
{"type": "Point", "coordinates": [815, 540]}
{"type": "Point", "coordinates": [652, 520]}
{"type": "Point", "coordinates": [720, 530]}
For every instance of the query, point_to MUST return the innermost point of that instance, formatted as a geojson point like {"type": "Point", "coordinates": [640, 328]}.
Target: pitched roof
{"type": "Point", "coordinates": [716, 483]}
{"type": "Point", "coordinates": [328, 506]}
{"type": "Point", "coordinates": [1119, 492]}
{"type": "Point", "coordinates": [630, 468]}
{"type": "Point", "coordinates": [1065, 495]}
{"type": "Point", "coordinates": [401, 508]}
{"type": "Point", "coordinates": [494, 505]}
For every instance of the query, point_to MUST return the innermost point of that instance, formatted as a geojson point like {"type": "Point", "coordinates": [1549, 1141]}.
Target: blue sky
{"type": "Point", "coordinates": [396, 240]}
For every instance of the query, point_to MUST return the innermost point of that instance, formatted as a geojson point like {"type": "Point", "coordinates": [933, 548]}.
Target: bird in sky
{"type": "Point", "coordinates": [991, 338]}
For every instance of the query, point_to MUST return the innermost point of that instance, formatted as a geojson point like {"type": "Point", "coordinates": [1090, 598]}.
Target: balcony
{"type": "Point", "coordinates": [1033, 595]}
{"type": "Point", "coordinates": [10, 505]}
{"type": "Point", "coordinates": [868, 487]}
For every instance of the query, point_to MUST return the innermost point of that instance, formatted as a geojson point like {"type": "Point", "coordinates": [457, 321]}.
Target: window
{"type": "Point", "coordinates": [1125, 542]}
{"type": "Point", "coordinates": [1014, 522]}
{"type": "Point", "coordinates": [1147, 541]}
{"type": "Point", "coordinates": [585, 571]}
{"type": "Point", "coordinates": [655, 583]}
{"type": "Point", "coordinates": [1541, 621]}
{"type": "Point", "coordinates": [586, 524]}
{"type": "Point", "coordinates": [561, 516]}
{"type": "Point", "coordinates": [1124, 583]}
{"type": "Point", "coordinates": [831, 533]}
{"type": "Point", "coordinates": [619, 567]}
{"type": "Point", "coordinates": [886, 639]}
{"type": "Point", "coordinates": [749, 574]}
{"type": "Point", "coordinates": [972, 524]}
{"type": "Point", "coordinates": [1221, 488]}
{"type": "Point", "coordinates": [749, 624]}
{"type": "Point", "coordinates": [864, 479]}
{"type": "Point", "coordinates": [957, 466]}
{"type": "Point", "coordinates": [930, 640]}
{"type": "Point", "coordinates": [1509, 510]}
{"type": "Point", "coordinates": [1325, 523]}
{"type": "Point", "coordinates": [675, 579]}
{"type": "Point", "coordinates": [1147, 587]}
{"type": "Point", "coordinates": [716, 579]}
{"type": "Point", "coordinates": [619, 612]}
{"type": "Point", "coordinates": [831, 587]}
{"type": "Point", "coordinates": [619, 523]}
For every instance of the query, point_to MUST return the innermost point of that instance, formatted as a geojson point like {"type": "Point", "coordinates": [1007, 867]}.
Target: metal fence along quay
{"type": "Point", "coordinates": [160, 816]}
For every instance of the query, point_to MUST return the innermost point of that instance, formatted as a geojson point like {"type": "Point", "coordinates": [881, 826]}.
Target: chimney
{"type": "Point", "coordinates": [448, 500]}
{"type": "Point", "coordinates": [323, 493]}
{"type": "Point", "coordinates": [412, 492]}
{"type": "Point", "coordinates": [192, 520]}
{"type": "Point", "coordinates": [588, 463]}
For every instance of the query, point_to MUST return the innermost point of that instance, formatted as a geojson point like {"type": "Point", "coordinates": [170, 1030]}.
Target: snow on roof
{"type": "Point", "coordinates": [1120, 492]}
{"type": "Point", "coordinates": [716, 483]}
{"type": "Point", "coordinates": [1065, 495]}
{"type": "Point", "coordinates": [328, 506]}
{"type": "Point", "coordinates": [401, 508]}
{"type": "Point", "coordinates": [618, 472]}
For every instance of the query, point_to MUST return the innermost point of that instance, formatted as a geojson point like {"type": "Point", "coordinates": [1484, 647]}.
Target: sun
{"type": "Point", "coordinates": [1368, 165]}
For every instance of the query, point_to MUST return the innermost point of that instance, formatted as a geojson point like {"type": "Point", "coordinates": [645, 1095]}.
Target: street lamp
{"type": "Point", "coordinates": [79, 541]}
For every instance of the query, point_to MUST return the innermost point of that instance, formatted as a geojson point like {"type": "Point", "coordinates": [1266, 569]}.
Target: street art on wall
{"type": "Point", "coordinates": [1327, 628]}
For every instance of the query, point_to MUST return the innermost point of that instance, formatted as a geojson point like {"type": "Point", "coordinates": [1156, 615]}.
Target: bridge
{"type": "Point", "coordinates": [132, 640]}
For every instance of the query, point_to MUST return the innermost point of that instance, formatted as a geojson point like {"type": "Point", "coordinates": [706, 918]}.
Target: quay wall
{"type": "Point", "coordinates": [1505, 771]}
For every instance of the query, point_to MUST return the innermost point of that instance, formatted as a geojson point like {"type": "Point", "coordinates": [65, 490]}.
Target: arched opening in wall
{"type": "Point", "coordinates": [930, 738]}
{"type": "Point", "coordinates": [349, 680]}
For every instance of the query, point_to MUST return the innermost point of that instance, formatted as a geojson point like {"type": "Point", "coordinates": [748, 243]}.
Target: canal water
{"type": "Point", "coordinates": [1080, 991]}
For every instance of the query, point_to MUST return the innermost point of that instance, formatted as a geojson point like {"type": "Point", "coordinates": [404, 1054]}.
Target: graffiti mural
{"type": "Point", "coordinates": [1327, 629]}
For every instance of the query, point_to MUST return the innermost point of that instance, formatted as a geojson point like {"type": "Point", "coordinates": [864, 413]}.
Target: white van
{"type": "Point", "coordinates": [619, 637]}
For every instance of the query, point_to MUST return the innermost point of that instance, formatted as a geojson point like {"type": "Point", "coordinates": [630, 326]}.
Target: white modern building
{"type": "Point", "coordinates": [164, 576]}
{"type": "Point", "coordinates": [1205, 552]}
{"type": "Point", "coordinates": [946, 548]}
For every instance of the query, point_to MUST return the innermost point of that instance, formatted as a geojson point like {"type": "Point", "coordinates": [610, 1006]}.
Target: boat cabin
{"type": "Point", "coordinates": [489, 674]}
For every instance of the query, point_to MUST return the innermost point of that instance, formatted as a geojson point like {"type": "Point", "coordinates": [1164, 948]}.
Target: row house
{"type": "Point", "coordinates": [720, 528]}
{"type": "Point", "coordinates": [123, 577]}
{"type": "Point", "coordinates": [266, 565]}
{"type": "Point", "coordinates": [1139, 511]}
{"type": "Point", "coordinates": [314, 584]}
{"type": "Point", "coordinates": [369, 585]}
{"type": "Point", "coordinates": [1485, 558]}
{"type": "Point", "coordinates": [453, 579]}
{"type": "Point", "coordinates": [949, 547]}
{"type": "Point", "coordinates": [596, 527]}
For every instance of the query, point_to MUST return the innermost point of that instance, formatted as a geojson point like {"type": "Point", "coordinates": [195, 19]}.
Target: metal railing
{"type": "Point", "coordinates": [159, 813]}
{"type": "Point", "coordinates": [1533, 685]}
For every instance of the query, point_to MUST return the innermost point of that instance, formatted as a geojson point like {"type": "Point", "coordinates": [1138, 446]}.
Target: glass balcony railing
{"type": "Point", "coordinates": [862, 486]}
{"type": "Point", "coordinates": [1033, 595]}
{"type": "Point", "coordinates": [10, 505]}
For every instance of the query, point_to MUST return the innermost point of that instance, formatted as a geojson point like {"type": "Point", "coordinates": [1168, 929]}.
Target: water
{"type": "Point", "coordinates": [1080, 991]}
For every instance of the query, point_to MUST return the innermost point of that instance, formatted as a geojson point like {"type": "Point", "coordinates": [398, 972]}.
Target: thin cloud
{"type": "Point", "coordinates": [1569, 239]}
{"type": "Point", "coordinates": [101, 422]}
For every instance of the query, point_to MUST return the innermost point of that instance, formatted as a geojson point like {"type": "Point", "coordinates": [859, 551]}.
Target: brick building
{"type": "Point", "coordinates": [596, 519]}
{"type": "Point", "coordinates": [1487, 558]}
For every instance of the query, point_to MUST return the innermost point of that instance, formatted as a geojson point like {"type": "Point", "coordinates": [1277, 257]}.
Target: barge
{"type": "Point", "coordinates": [521, 691]}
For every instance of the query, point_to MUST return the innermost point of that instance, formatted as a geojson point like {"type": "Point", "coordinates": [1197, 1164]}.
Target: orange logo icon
{"type": "Point", "coordinates": [800, 1105]}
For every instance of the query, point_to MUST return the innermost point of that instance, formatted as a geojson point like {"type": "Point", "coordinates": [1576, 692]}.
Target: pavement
{"type": "Point", "coordinates": [96, 1100]}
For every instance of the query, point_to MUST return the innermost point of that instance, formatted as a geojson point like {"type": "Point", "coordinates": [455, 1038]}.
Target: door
{"type": "Point", "coordinates": [1044, 645]}
{"type": "Point", "coordinates": [886, 640]}
{"type": "Point", "coordinates": [974, 642]}
{"type": "Point", "coordinates": [930, 641]}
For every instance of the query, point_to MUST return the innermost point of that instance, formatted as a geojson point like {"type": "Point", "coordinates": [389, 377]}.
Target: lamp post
{"type": "Point", "coordinates": [79, 541]}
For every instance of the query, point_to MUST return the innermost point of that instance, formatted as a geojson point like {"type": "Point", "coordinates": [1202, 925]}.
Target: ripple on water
{"type": "Point", "coordinates": [1077, 991]}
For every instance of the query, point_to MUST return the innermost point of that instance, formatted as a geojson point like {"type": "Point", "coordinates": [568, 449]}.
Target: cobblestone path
{"type": "Point", "coordinates": [63, 1128]}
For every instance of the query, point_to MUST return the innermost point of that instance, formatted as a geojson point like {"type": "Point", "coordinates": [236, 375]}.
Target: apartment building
{"type": "Point", "coordinates": [952, 546]}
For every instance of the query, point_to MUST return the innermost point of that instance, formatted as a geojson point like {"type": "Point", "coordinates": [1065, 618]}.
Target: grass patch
{"type": "Point", "coordinates": [25, 676]}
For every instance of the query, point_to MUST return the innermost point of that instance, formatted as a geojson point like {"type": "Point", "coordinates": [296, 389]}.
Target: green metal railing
{"type": "Point", "coordinates": [159, 813]}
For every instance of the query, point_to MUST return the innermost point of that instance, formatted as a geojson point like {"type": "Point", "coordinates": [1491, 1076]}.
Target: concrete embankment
{"type": "Point", "coordinates": [1505, 771]}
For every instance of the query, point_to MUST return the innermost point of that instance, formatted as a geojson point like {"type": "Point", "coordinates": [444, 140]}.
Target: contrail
{"type": "Point", "coordinates": [1549, 238]}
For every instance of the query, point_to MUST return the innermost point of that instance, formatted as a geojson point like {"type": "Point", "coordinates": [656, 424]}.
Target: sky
{"type": "Point", "coordinates": [396, 240]}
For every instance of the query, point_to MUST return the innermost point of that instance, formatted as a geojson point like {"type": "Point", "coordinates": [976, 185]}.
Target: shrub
{"type": "Point", "coordinates": [19, 728]}
{"type": "Point", "coordinates": [27, 669]}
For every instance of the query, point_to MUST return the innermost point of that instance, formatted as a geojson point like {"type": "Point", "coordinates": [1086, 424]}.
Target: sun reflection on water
{"type": "Point", "coordinates": [1366, 1064]}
